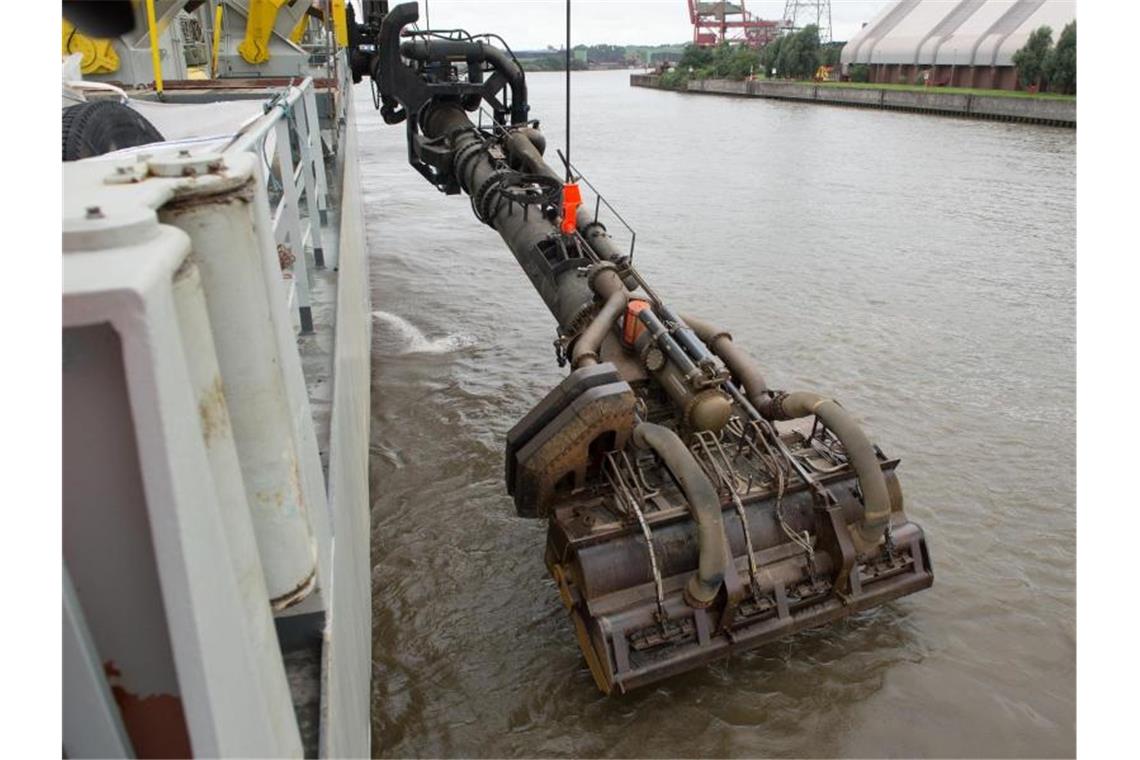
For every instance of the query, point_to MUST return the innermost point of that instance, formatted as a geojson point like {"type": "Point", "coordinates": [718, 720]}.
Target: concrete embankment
{"type": "Point", "coordinates": [1032, 110]}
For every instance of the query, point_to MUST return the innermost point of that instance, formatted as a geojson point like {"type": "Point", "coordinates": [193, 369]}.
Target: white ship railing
{"type": "Point", "coordinates": [290, 120]}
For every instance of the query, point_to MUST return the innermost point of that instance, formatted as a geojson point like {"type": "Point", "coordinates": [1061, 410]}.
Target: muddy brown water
{"type": "Point", "coordinates": [920, 269]}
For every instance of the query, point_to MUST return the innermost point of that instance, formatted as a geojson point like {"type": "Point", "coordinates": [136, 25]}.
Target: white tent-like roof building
{"type": "Point", "coordinates": [967, 43]}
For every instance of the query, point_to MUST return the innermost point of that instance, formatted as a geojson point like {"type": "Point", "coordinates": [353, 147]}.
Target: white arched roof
{"type": "Point", "coordinates": [954, 32]}
{"type": "Point", "coordinates": [1054, 14]}
{"type": "Point", "coordinates": [901, 44]}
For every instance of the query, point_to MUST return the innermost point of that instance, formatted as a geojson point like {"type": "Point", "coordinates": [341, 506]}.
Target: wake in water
{"type": "Point", "coordinates": [392, 334]}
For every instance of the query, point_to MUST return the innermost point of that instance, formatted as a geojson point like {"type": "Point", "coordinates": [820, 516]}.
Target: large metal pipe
{"type": "Point", "coordinates": [526, 156]}
{"type": "Point", "coordinates": [606, 283]}
{"type": "Point", "coordinates": [474, 53]}
{"type": "Point", "coordinates": [535, 240]}
{"type": "Point", "coordinates": [702, 588]}
{"type": "Point", "coordinates": [223, 233]}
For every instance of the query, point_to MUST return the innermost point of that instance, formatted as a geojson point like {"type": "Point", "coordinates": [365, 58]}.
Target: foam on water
{"type": "Point", "coordinates": [395, 335]}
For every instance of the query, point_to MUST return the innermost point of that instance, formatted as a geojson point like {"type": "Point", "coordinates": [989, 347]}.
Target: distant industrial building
{"type": "Point", "coordinates": [959, 43]}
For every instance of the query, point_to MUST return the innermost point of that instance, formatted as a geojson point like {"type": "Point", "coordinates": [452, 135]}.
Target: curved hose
{"type": "Point", "coordinates": [606, 283]}
{"type": "Point", "coordinates": [702, 588]}
{"type": "Point", "coordinates": [787, 406]}
{"type": "Point", "coordinates": [742, 367]}
{"type": "Point", "coordinates": [860, 452]}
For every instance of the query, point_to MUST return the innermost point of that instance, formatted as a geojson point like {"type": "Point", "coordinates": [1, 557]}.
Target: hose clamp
{"type": "Point", "coordinates": [596, 269]}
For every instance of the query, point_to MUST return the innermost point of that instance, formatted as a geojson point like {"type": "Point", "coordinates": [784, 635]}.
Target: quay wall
{"type": "Point", "coordinates": [1030, 110]}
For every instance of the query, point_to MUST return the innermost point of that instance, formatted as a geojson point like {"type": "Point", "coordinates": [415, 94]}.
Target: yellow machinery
{"type": "Point", "coordinates": [217, 39]}
{"type": "Point", "coordinates": [98, 55]}
{"type": "Point", "coordinates": [298, 32]}
{"type": "Point", "coordinates": [340, 24]}
{"type": "Point", "coordinates": [262, 21]}
{"type": "Point", "coordinates": [259, 25]}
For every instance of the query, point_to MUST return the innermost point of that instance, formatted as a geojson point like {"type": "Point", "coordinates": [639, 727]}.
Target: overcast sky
{"type": "Point", "coordinates": [534, 24]}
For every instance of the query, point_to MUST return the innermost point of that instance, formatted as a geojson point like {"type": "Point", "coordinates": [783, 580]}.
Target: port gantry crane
{"type": "Point", "coordinates": [718, 22]}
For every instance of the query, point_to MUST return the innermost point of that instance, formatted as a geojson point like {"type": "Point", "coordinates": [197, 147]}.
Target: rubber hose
{"type": "Point", "coordinates": [740, 364]}
{"type": "Point", "coordinates": [860, 452]}
{"type": "Point", "coordinates": [605, 282]}
{"type": "Point", "coordinates": [702, 588]}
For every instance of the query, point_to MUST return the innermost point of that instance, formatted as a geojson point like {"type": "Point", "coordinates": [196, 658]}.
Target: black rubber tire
{"type": "Point", "coordinates": [101, 126]}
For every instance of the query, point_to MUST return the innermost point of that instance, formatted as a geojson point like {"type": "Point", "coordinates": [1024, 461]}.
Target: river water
{"type": "Point", "coordinates": [921, 269]}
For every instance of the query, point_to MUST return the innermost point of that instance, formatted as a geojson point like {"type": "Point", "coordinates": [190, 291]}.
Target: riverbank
{"type": "Point", "coordinates": [1035, 110]}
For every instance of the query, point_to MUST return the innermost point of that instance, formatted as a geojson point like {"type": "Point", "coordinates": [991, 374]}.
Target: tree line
{"type": "Point", "coordinates": [1042, 64]}
{"type": "Point", "coordinates": [799, 55]}
{"type": "Point", "coordinates": [585, 56]}
{"type": "Point", "coordinates": [791, 56]}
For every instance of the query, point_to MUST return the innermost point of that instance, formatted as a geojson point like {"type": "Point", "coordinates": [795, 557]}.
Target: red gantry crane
{"type": "Point", "coordinates": [717, 22]}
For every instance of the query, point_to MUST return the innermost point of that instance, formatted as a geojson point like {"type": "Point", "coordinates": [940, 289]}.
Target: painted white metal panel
{"type": "Point", "coordinates": [345, 719]}
{"type": "Point", "coordinates": [91, 722]}
{"type": "Point", "coordinates": [120, 271]}
{"type": "Point", "coordinates": [107, 537]}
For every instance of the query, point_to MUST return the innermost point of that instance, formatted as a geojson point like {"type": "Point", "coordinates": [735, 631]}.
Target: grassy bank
{"type": "Point", "coordinates": [947, 90]}
{"type": "Point", "coordinates": [677, 80]}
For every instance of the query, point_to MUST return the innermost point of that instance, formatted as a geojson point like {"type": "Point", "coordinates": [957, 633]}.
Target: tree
{"type": "Point", "coordinates": [695, 57]}
{"type": "Point", "coordinates": [1060, 67]}
{"type": "Point", "coordinates": [770, 53]}
{"type": "Point", "coordinates": [829, 54]}
{"type": "Point", "coordinates": [796, 55]}
{"type": "Point", "coordinates": [808, 59]}
{"type": "Point", "coordinates": [787, 59]}
{"type": "Point", "coordinates": [1030, 59]}
{"type": "Point", "coordinates": [738, 62]}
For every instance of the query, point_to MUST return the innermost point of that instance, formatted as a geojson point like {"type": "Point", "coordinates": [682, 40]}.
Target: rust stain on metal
{"type": "Point", "coordinates": [206, 196]}
{"type": "Point", "coordinates": [212, 411]}
{"type": "Point", "coordinates": [295, 595]}
{"type": "Point", "coordinates": [285, 256]}
{"type": "Point", "coordinates": [156, 724]}
{"type": "Point", "coordinates": [272, 497]}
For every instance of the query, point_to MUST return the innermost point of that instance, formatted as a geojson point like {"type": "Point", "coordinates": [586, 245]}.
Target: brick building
{"type": "Point", "coordinates": [960, 43]}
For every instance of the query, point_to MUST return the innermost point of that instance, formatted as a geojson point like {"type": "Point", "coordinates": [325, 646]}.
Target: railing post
{"type": "Point", "coordinates": [314, 124]}
{"type": "Point", "coordinates": [289, 217]}
{"type": "Point", "coordinates": [311, 192]}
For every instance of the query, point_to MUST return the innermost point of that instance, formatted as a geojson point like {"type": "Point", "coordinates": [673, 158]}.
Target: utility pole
{"type": "Point", "coordinates": [800, 13]}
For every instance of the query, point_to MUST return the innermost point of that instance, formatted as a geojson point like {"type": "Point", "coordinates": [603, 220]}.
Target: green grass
{"type": "Point", "coordinates": [948, 90]}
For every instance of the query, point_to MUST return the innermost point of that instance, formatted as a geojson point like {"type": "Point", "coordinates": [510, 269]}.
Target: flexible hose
{"type": "Point", "coordinates": [739, 363]}
{"type": "Point", "coordinates": [787, 406]}
{"type": "Point", "coordinates": [606, 283]}
{"type": "Point", "coordinates": [702, 588]}
{"type": "Point", "coordinates": [860, 452]}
